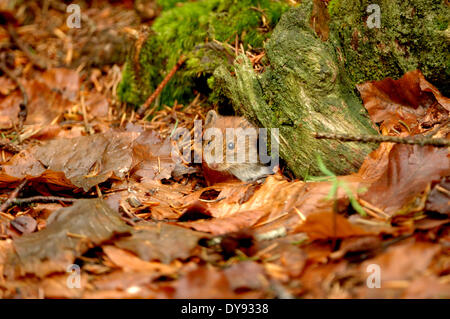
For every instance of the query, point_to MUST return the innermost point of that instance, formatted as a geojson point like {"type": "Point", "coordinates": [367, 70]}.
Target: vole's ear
{"type": "Point", "coordinates": [211, 118]}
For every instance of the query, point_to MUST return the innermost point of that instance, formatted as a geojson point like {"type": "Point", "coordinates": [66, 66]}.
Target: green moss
{"type": "Point", "coordinates": [167, 4]}
{"type": "Point", "coordinates": [189, 28]}
{"type": "Point", "coordinates": [412, 36]}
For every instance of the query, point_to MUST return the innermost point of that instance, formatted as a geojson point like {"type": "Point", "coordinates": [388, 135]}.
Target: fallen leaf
{"type": "Point", "coordinates": [317, 279]}
{"type": "Point", "coordinates": [6, 85]}
{"type": "Point", "coordinates": [220, 226]}
{"type": "Point", "coordinates": [152, 157]}
{"type": "Point", "coordinates": [25, 224]}
{"type": "Point", "coordinates": [9, 110]}
{"type": "Point", "coordinates": [291, 257]}
{"type": "Point", "coordinates": [408, 100]}
{"type": "Point", "coordinates": [328, 225]}
{"type": "Point", "coordinates": [73, 231]}
{"type": "Point", "coordinates": [410, 170]}
{"type": "Point", "coordinates": [427, 287]}
{"type": "Point", "coordinates": [44, 103]}
{"type": "Point", "coordinates": [65, 81]}
{"type": "Point", "coordinates": [246, 275]}
{"type": "Point", "coordinates": [81, 162]}
{"type": "Point", "coordinates": [403, 261]}
{"type": "Point", "coordinates": [97, 104]}
{"type": "Point", "coordinates": [277, 197]}
{"type": "Point", "coordinates": [129, 262]}
{"type": "Point", "coordinates": [56, 287]}
{"type": "Point", "coordinates": [204, 283]}
{"type": "Point", "coordinates": [121, 285]}
{"type": "Point", "coordinates": [161, 241]}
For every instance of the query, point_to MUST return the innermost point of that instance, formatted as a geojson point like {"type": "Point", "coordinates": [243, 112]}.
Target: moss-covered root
{"type": "Point", "coordinates": [413, 34]}
{"type": "Point", "coordinates": [303, 91]}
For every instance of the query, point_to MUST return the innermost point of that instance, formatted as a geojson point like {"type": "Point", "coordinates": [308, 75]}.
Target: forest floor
{"type": "Point", "coordinates": [93, 205]}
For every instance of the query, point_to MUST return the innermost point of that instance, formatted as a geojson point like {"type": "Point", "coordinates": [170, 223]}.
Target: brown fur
{"type": "Point", "coordinates": [250, 168]}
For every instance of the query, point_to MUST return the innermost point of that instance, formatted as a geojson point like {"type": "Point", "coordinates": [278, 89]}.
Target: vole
{"type": "Point", "coordinates": [229, 146]}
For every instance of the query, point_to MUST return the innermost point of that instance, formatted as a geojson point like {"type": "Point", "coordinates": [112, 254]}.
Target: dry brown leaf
{"type": "Point", "coordinates": [409, 171]}
{"type": "Point", "coordinates": [82, 162]}
{"type": "Point", "coordinates": [427, 287]}
{"type": "Point", "coordinates": [131, 263]}
{"type": "Point", "coordinates": [277, 197]}
{"type": "Point", "coordinates": [328, 225]}
{"type": "Point", "coordinates": [9, 110]}
{"type": "Point", "coordinates": [161, 241]}
{"type": "Point", "coordinates": [56, 286]}
{"type": "Point", "coordinates": [410, 99]}
{"type": "Point", "coordinates": [317, 279]}
{"type": "Point", "coordinates": [6, 85]}
{"type": "Point", "coordinates": [49, 95]}
{"type": "Point", "coordinates": [64, 81]}
{"type": "Point", "coordinates": [220, 226]}
{"type": "Point", "coordinates": [204, 283]}
{"type": "Point", "coordinates": [246, 275]}
{"type": "Point", "coordinates": [291, 257]}
{"type": "Point", "coordinates": [152, 157]}
{"type": "Point", "coordinates": [403, 261]}
{"type": "Point", "coordinates": [89, 160]}
{"type": "Point", "coordinates": [97, 105]}
{"type": "Point", "coordinates": [121, 281]}
{"type": "Point", "coordinates": [45, 104]}
{"type": "Point", "coordinates": [72, 232]}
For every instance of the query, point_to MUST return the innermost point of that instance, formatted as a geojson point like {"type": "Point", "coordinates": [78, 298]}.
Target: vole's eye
{"type": "Point", "coordinates": [231, 145]}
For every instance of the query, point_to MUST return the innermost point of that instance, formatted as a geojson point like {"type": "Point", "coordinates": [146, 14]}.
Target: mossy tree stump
{"type": "Point", "coordinates": [303, 91]}
{"type": "Point", "coordinates": [308, 84]}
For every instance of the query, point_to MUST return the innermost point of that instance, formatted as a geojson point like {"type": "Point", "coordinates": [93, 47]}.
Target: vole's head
{"type": "Point", "coordinates": [229, 142]}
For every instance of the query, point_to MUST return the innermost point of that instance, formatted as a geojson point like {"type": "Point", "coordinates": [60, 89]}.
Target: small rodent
{"type": "Point", "coordinates": [246, 165]}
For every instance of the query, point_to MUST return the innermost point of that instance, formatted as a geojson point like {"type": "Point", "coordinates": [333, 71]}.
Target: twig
{"type": "Point", "coordinates": [161, 86]}
{"type": "Point", "coordinates": [77, 236]}
{"type": "Point", "coordinates": [8, 146]}
{"type": "Point", "coordinates": [12, 196]}
{"type": "Point", "coordinates": [42, 199]}
{"type": "Point", "coordinates": [211, 200]}
{"type": "Point", "coordinates": [272, 234]}
{"type": "Point", "coordinates": [379, 212]}
{"type": "Point", "coordinates": [437, 128]}
{"type": "Point", "coordinates": [438, 142]}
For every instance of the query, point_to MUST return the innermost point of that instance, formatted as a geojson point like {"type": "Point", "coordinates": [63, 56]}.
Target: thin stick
{"type": "Point", "coordinates": [437, 128]}
{"type": "Point", "coordinates": [12, 196]}
{"type": "Point", "coordinates": [8, 146]}
{"type": "Point", "coordinates": [374, 208]}
{"type": "Point", "coordinates": [42, 199]}
{"type": "Point", "coordinates": [438, 142]}
{"type": "Point", "coordinates": [160, 87]}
